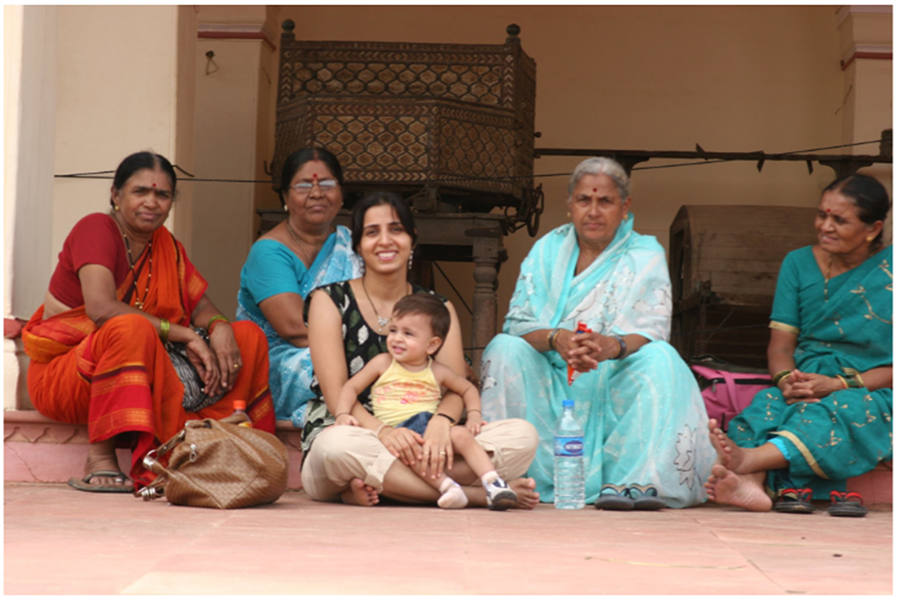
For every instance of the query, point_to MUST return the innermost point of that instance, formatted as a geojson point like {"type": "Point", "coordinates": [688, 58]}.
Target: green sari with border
{"type": "Point", "coordinates": [849, 432]}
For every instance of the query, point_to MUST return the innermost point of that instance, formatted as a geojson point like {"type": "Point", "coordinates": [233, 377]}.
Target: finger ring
{"type": "Point", "coordinates": [442, 453]}
{"type": "Point", "coordinates": [237, 366]}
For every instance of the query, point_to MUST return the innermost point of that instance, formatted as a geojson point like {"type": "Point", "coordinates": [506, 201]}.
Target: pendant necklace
{"type": "Point", "coordinates": [139, 302]}
{"type": "Point", "coordinates": [296, 239]}
{"type": "Point", "coordinates": [381, 320]}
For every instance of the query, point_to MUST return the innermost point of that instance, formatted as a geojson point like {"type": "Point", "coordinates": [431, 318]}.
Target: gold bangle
{"type": "Point", "coordinates": [779, 376]}
{"type": "Point", "coordinates": [213, 319]}
{"type": "Point", "coordinates": [551, 339]}
{"type": "Point", "coordinates": [859, 379]}
{"type": "Point", "coordinates": [378, 431]}
{"type": "Point", "coordinates": [164, 328]}
{"type": "Point", "coordinates": [844, 381]}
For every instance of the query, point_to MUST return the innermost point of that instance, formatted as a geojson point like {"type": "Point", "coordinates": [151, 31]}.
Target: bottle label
{"type": "Point", "coordinates": [568, 446]}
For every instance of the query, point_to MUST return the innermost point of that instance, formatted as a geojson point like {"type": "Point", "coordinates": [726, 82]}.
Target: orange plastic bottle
{"type": "Point", "coordinates": [240, 408]}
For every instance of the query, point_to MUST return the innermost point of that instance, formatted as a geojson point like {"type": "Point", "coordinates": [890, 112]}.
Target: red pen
{"type": "Point", "coordinates": [582, 328]}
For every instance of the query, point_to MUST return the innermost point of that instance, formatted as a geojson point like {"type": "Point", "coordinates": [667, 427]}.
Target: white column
{"type": "Point", "coordinates": [29, 113]}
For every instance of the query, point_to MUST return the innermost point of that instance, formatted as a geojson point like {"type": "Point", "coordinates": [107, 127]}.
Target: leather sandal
{"type": "Point", "coordinates": [614, 497]}
{"type": "Point", "coordinates": [84, 484]}
{"type": "Point", "coordinates": [646, 497]}
{"type": "Point", "coordinates": [848, 504]}
{"type": "Point", "coordinates": [794, 500]}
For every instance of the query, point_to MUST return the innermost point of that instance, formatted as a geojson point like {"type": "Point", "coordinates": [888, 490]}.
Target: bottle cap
{"type": "Point", "coordinates": [240, 405]}
{"type": "Point", "coordinates": [568, 403]}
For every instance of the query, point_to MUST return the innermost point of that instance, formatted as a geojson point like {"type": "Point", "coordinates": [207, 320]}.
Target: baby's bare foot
{"type": "Point", "coordinates": [360, 493]}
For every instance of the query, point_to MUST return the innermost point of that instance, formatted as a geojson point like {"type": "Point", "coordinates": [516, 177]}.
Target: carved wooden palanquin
{"type": "Point", "coordinates": [458, 119]}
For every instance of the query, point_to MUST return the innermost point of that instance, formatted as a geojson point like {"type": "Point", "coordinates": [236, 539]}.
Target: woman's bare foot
{"type": "Point", "coordinates": [744, 491]}
{"type": "Point", "coordinates": [102, 457]}
{"type": "Point", "coordinates": [360, 493]}
{"type": "Point", "coordinates": [730, 455]}
{"type": "Point", "coordinates": [524, 489]}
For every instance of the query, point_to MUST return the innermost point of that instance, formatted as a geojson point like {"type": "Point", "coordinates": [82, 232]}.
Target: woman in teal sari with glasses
{"type": "Point", "coordinates": [830, 355]}
{"type": "Point", "coordinates": [645, 443]}
{"type": "Point", "coordinates": [296, 256]}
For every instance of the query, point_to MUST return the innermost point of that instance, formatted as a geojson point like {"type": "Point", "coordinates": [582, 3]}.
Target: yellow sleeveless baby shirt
{"type": "Point", "coordinates": [400, 394]}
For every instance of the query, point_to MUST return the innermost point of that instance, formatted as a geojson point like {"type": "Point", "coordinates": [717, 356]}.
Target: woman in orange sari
{"type": "Point", "coordinates": [123, 287]}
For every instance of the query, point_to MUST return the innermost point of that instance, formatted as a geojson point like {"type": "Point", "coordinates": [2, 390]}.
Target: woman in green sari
{"type": "Point", "coordinates": [829, 417]}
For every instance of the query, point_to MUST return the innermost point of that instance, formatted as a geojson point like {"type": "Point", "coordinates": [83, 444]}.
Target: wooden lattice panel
{"type": "Point", "coordinates": [458, 117]}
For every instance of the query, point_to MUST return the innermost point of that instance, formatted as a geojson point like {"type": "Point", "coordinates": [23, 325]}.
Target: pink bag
{"type": "Point", "coordinates": [727, 389]}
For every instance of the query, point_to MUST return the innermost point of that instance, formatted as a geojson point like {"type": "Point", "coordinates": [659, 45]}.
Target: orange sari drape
{"type": "Point", "coordinates": [118, 378]}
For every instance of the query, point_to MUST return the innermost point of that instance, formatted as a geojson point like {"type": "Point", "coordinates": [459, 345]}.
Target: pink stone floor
{"type": "Point", "coordinates": [60, 541]}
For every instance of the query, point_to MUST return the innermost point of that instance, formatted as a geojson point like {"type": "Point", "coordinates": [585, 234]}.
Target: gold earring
{"type": "Point", "coordinates": [869, 239]}
{"type": "Point", "coordinates": [568, 214]}
{"type": "Point", "coordinates": [117, 207]}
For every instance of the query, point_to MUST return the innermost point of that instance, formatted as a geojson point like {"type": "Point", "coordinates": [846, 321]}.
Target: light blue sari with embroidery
{"type": "Point", "coordinates": [644, 418]}
{"type": "Point", "coordinates": [271, 269]}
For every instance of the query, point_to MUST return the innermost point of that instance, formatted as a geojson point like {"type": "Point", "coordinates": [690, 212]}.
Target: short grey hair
{"type": "Point", "coordinates": [601, 165]}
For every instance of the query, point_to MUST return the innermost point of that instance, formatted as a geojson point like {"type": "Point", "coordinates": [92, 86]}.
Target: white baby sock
{"type": "Point", "coordinates": [452, 496]}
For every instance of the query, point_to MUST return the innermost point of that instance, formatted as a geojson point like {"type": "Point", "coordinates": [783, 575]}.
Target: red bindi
{"type": "Point", "coordinates": [595, 189]}
{"type": "Point", "coordinates": [154, 185]}
{"type": "Point", "coordinates": [828, 210]}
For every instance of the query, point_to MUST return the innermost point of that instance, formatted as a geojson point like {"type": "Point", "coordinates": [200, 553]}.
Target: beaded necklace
{"type": "Point", "coordinates": [139, 302]}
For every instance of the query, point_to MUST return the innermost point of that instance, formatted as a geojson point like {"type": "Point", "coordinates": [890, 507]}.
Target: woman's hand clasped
{"type": "Point", "coordinates": [585, 351]}
{"type": "Point", "coordinates": [808, 387]}
{"type": "Point", "coordinates": [403, 443]}
{"type": "Point", "coordinates": [227, 355]}
{"type": "Point", "coordinates": [437, 449]}
{"type": "Point", "coordinates": [203, 359]}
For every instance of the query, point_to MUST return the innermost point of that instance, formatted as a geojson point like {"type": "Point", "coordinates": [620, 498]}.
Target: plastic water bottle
{"type": "Point", "coordinates": [568, 452]}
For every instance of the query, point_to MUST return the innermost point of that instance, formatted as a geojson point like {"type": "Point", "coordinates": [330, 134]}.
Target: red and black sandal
{"type": "Point", "coordinates": [794, 500]}
{"type": "Point", "coordinates": [849, 504]}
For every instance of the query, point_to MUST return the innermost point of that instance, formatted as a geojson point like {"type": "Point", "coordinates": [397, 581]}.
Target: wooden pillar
{"type": "Point", "coordinates": [486, 256]}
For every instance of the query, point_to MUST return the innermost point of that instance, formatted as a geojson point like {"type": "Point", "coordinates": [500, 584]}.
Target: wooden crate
{"type": "Point", "coordinates": [724, 263]}
{"type": "Point", "coordinates": [406, 116]}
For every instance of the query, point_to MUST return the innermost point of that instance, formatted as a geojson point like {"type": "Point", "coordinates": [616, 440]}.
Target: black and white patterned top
{"type": "Point", "coordinates": [361, 344]}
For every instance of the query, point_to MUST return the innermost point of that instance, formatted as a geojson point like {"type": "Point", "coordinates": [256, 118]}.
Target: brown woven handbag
{"type": "Point", "coordinates": [218, 464]}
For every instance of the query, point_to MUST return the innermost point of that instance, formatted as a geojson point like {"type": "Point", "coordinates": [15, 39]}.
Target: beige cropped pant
{"type": "Point", "coordinates": [340, 454]}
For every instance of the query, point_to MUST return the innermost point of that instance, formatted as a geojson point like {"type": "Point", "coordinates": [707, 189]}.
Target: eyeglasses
{"type": "Point", "coordinates": [304, 188]}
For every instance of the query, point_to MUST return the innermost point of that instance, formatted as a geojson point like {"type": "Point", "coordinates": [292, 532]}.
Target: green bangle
{"type": "Point", "coordinates": [779, 376]}
{"type": "Point", "coordinates": [213, 319]}
{"type": "Point", "coordinates": [164, 328]}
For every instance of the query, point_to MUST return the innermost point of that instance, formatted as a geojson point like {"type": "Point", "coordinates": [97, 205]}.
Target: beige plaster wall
{"type": "Point", "coordinates": [118, 92]}
{"type": "Point", "coordinates": [235, 137]}
{"type": "Point", "coordinates": [652, 78]}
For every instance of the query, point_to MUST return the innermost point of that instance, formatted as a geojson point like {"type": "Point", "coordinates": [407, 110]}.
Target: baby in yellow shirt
{"type": "Point", "coordinates": [407, 391]}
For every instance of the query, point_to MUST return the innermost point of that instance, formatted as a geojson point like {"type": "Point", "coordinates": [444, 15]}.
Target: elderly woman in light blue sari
{"type": "Point", "coordinates": [645, 443]}
{"type": "Point", "coordinates": [296, 256]}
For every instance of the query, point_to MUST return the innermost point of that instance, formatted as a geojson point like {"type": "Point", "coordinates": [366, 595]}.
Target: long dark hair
{"type": "Point", "coordinates": [378, 198]}
{"type": "Point", "coordinates": [296, 160]}
{"type": "Point", "coordinates": [869, 196]}
{"type": "Point", "coordinates": [138, 162]}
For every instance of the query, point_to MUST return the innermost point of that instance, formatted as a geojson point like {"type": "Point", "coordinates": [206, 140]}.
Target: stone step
{"type": "Point", "coordinates": [40, 450]}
